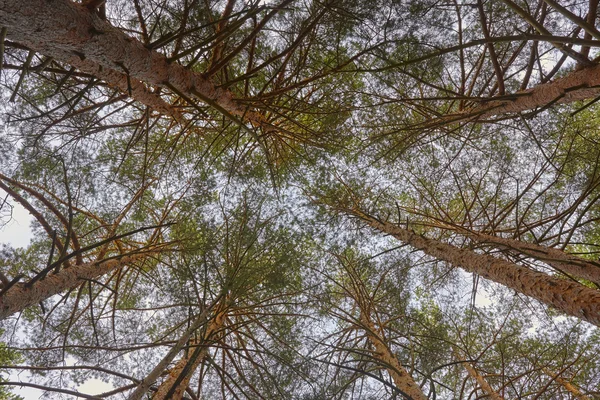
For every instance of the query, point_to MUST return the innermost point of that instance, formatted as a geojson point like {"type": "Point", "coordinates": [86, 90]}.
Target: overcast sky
{"type": "Point", "coordinates": [15, 231]}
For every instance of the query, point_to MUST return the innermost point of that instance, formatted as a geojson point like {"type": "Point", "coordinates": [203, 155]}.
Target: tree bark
{"type": "Point", "coordinates": [63, 30]}
{"type": "Point", "coordinates": [186, 366]}
{"type": "Point", "coordinates": [481, 381]}
{"type": "Point", "coordinates": [145, 383]}
{"type": "Point", "coordinates": [558, 259]}
{"type": "Point", "coordinates": [21, 296]}
{"type": "Point", "coordinates": [577, 85]}
{"type": "Point", "coordinates": [567, 385]}
{"type": "Point", "coordinates": [133, 87]}
{"type": "Point", "coordinates": [569, 297]}
{"type": "Point", "coordinates": [402, 379]}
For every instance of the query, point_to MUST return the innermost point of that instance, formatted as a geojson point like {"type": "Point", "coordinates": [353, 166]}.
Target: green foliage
{"type": "Point", "coordinates": [8, 357]}
{"type": "Point", "coordinates": [310, 113]}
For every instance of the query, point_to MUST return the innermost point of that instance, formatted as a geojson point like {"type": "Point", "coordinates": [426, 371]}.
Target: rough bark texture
{"type": "Point", "coordinates": [149, 380]}
{"type": "Point", "coordinates": [569, 297]}
{"type": "Point", "coordinates": [567, 385]}
{"type": "Point", "coordinates": [68, 31]}
{"type": "Point", "coordinates": [578, 85]}
{"type": "Point", "coordinates": [572, 265]}
{"type": "Point", "coordinates": [192, 360]}
{"type": "Point", "coordinates": [402, 379]}
{"type": "Point", "coordinates": [20, 296]}
{"type": "Point", "coordinates": [481, 381]}
{"type": "Point", "coordinates": [136, 89]}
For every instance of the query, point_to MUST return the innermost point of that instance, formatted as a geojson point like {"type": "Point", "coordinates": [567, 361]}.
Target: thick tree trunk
{"type": "Point", "coordinates": [569, 297]}
{"type": "Point", "coordinates": [577, 85]}
{"type": "Point", "coordinates": [21, 296]}
{"type": "Point", "coordinates": [133, 87]}
{"type": "Point", "coordinates": [402, 379]}
{"type": "Point", "coordinates": [569, 264]}
{"type": "Point", "coordinates": [186, 366]}
{"type": "Point", "coordinates": [62, 29]}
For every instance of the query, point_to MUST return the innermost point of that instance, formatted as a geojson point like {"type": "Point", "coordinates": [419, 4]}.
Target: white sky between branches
{"type": "Point", "coordinates": [17, 233]}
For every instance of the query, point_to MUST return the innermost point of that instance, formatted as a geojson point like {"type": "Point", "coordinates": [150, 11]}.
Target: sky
{"type": "Point", "coordinates": [16, 230]}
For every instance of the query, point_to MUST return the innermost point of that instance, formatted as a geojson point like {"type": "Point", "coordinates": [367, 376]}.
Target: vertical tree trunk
{"type": "Point", "coordinates": [569, 297]}
{"type": "Point", "coordinates": [21, 296]}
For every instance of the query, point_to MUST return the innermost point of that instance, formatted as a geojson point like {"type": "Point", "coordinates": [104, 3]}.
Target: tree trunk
{"type": "Point", "coordinates": [577, 85]}
{"type": "Point", "coordinates": [558, 259]}
{"type": "Point", "coordinates": [569, 297]}
{"type": "Point", "coordinates": [133, 87]}
{"type": "Point", "coordinates": [567, 385]}
{"type": "Point", "coordinates": [481, 381]}
{"type": "Point", "coordinates": [186, 366]}
{"type": "Point", "coordinates": [21, 296]}
{"type": "Point", "coordinates": [402, 379]}
{"type": "Point", "coordinates": [62, 29]}
{"type": "Point", "coordinates": [145, 383]}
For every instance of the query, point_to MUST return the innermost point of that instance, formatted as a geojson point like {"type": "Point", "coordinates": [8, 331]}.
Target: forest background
{"type": "Point", "coordinates": [301, 199]}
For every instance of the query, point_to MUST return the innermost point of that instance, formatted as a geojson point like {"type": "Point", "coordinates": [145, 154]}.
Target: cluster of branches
{"type": "Point", "coordinates": [128, 116]}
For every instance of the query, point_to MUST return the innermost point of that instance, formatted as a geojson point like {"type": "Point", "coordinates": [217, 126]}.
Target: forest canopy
{"type": "Point", "coordinates": [249, 199]}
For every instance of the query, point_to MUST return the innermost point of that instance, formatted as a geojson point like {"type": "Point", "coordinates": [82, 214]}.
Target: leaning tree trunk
{"type": "Point", "coordinates": [145, 384]}
{"type": "Point", "coordinates": [180, 375]}
{"type": "Point", "coordinates": [558, 259]}
{"type": "Point", "coordinates": [575, 86]}
{"type": "Point", "coordinates": [578, 85]}
{"type": "Point", "coordinates": [22, 295]}
{"type": "Point", "coordinates": [402, 379]}
{"type": "Point", "coordinates": [481, 381]}
{"type": "Point", "coordinates": [569, 297]}
{"type": "Point", "coordinates": [567, 385]}
{"type": "Point", "coordinates": [71, 33]}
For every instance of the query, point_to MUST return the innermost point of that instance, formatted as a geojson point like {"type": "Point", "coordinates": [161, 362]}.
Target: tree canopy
{"type": "Point", "coordinates": [286, 199]}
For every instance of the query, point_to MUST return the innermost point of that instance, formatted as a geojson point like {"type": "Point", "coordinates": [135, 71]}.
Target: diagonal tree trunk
{"type": "Point", "coordinates": [558, 259]}
{"type": "Point", "coordinates": [567, 385]}
{"type": "Point", "coordinates": [577, 85]}
{"type": "Point", "coordinates": [21, 296]}
{"type": "Point", "coordinates": [201, 320]}
{"type": "Point", "coordinates": [383, 354]}
{"type": "Point", "coordinates": [481, 381]}
{"type": "Point", "coordinates": [402, 379]}
{"type": "Point", "coordinates": [62, 29]}
{"type": "Point", "coordinates": [133, 87]}
{"type": "Point", "coordinates": [179, 377]}
{"type": "Point", "coordinates": [569, 297]}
